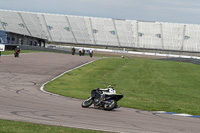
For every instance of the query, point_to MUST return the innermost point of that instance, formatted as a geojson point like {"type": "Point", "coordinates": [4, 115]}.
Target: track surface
{"type": "Point", "coordinates": [21, 100]}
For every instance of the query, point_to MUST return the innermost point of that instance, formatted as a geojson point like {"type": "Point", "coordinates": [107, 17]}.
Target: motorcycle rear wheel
{"type": "Point", "coordinates": [110, 106]}
{"type": "Point", "coordinates": [87, 103]}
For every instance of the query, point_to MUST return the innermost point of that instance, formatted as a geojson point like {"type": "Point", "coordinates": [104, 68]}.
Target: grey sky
{"type": "Point", "coordinates": [176, 11]}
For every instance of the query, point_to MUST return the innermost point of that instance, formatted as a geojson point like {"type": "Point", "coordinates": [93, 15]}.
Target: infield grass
{"type": "Point", "coordinates": [9, 52]}
{"type": "Point", "coordinates": [22, 127]}
{"type": "Point", "coordinates": [152, 85]}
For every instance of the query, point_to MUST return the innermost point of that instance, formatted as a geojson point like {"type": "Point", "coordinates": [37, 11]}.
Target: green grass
{"type": "Point", "coordinates": [22, 127]}
{"type": "Point", "coordinates": [151, 85]}
{"type": "Point", "coordinates": [8, 52]}
{"type": "Point", "coordinates": [11, 52]}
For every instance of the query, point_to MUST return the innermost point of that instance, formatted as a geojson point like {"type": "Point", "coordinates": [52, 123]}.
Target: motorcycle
{"type": "Point", "coordinates": [17, 51]}
{"type": "Point", "coordinates": [108, 103]}
{"type": "Point", "coordinates": [16, 54]}
{"type": "Point", "coordinates": [73, 51]}
{"type": "Point", "coordinates": [91, 54]}
{"type": "Point", "coordinates": [80, 53]}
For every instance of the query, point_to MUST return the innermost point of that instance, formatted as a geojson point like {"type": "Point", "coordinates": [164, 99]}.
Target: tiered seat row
{"type": "Point", "coordinates": [33, 25]}
{"type": "Point", "coordinates": [103, 31]}
{"type": "Point", "coordinates": [12, 21]}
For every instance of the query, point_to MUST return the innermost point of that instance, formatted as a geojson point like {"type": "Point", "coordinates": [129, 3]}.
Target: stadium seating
{"type": "Point", "coordinates": [192, 38]}
{"type": "Point", "coordinates": [79, 29]}
{"type": "Point", "coordinates": [124, 33]}
{"type": "Point", "coordinates": [12, 21]}
{"type": "Point", "coordinates": [33, 24]}
{"type": "Point", "coordinates": [103, 31]}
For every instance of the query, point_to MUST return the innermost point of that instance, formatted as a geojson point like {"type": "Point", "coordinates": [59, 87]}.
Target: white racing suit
{"type": "Point", "coordinates": [107, 91]}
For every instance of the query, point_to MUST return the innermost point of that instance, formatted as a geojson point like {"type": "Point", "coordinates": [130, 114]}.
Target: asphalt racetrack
{"type": "Point", "coordinates": [22, 100]}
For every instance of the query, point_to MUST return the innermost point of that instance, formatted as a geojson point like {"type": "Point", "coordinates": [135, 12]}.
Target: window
{"type": "Point", "coordinates": [67, 29]}
{"type": "Point", "coordinates": [13, 39]}
{"type": "Point", "coordinates": [158, 35]}
{"type": "Point", "coordinates": [140, 34]}
{"type": "Point", "coordinates": [4, 24]}
{"type": "Point", "coordinates": [112, 32]}
{"type": "Point", "coordinates": [95, 31]}
{"type": "Point", "coordinates": [21, 25]}
{"type": "Point", "coordinates": [49, 27]}
{"type": "Point", "coordinates": [186, 37]}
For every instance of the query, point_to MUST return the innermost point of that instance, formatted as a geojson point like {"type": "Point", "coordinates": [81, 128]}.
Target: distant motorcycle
{"type": "Point", "coordinates": [73, 51]}
{"type": "Point", "coordinates": [80, 53]}
{"type": "Point", "coordinates": [16, 53]}
{"type": "Point", "coordinates": [91, 53]}
{"type": "Point", "coordinates": [109, 102]}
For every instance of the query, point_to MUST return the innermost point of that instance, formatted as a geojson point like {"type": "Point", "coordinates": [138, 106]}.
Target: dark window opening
{"type": "Point", "coordinates": [112, 32]}
{"type": "Point", "coordinates": [140, 34]}
{"type": "Point", "coordinates": [22, 25]}
{"type": "Point", "coordinates": [4, 24]}
{"type": "Point", "coordinates": [186, 37]}
{"type": "Point", "coordinates": [158, 35]}
{"type": "Point", "coordinates": [67, 29]}
{"type": "Point", "coordinates": [95, 31]}
{"type": "Point", "coordinates": [49, 27]}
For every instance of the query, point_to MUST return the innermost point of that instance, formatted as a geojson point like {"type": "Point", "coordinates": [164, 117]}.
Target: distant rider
{"type": "Point", "coordinates": [91, 53]}
{"type": "Point", "coordinates": [17, 51]}
{"type": "Point", "coordinates": [73, 51]}
{"type": "Point", "coordinates": [83, 51]}
{"type": "Point", "coordinates": [80, 51]}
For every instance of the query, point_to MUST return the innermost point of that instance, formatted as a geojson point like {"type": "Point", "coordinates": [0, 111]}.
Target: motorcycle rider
{"type": "Point", "coordinates": [91, 53]}
{"type": "Point", "coordinates": [108, 91]}
{"type": "Point", "coordinates": [80, 51]}
{"type": "Point", "coordinates": [17, 50]}
{"type": "Point", "coordinates": [73, 51]}
{"type": "Point", "coordinates": [83, 51]}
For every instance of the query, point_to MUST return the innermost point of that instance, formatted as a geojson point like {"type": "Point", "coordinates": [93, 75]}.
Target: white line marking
{"type": "Point", "coordinates": [42, 87]}
{"type": "Point", "coordinates": [182, 115]}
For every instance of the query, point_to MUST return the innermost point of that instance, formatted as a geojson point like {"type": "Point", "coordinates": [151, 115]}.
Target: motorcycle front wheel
{"type": "Point", "coordinates": [87, 103]}
{"type": "Point", "coordinates": [111, 105]}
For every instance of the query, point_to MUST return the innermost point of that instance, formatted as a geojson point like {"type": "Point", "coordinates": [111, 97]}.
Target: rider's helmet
{"type": "Point", "coordinates": [111, 89]}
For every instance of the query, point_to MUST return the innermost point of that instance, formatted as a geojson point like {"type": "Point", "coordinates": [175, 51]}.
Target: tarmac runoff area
{"type": "Point", "coordinates": [22, 100]}
{"type": "Point", "coordinates": [187, 60]}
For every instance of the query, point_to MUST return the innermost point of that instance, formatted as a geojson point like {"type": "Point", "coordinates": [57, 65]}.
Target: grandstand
{"type": "Point", "coordinates": [57, 28]}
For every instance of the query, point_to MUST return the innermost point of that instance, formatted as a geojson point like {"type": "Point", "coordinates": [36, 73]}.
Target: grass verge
{"type": "Point", "coordinates": [9, 52]}
{"type": "Point", "coordinates": [151, 85]}
{"type": "Point", "coordinates": [22, 127]}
